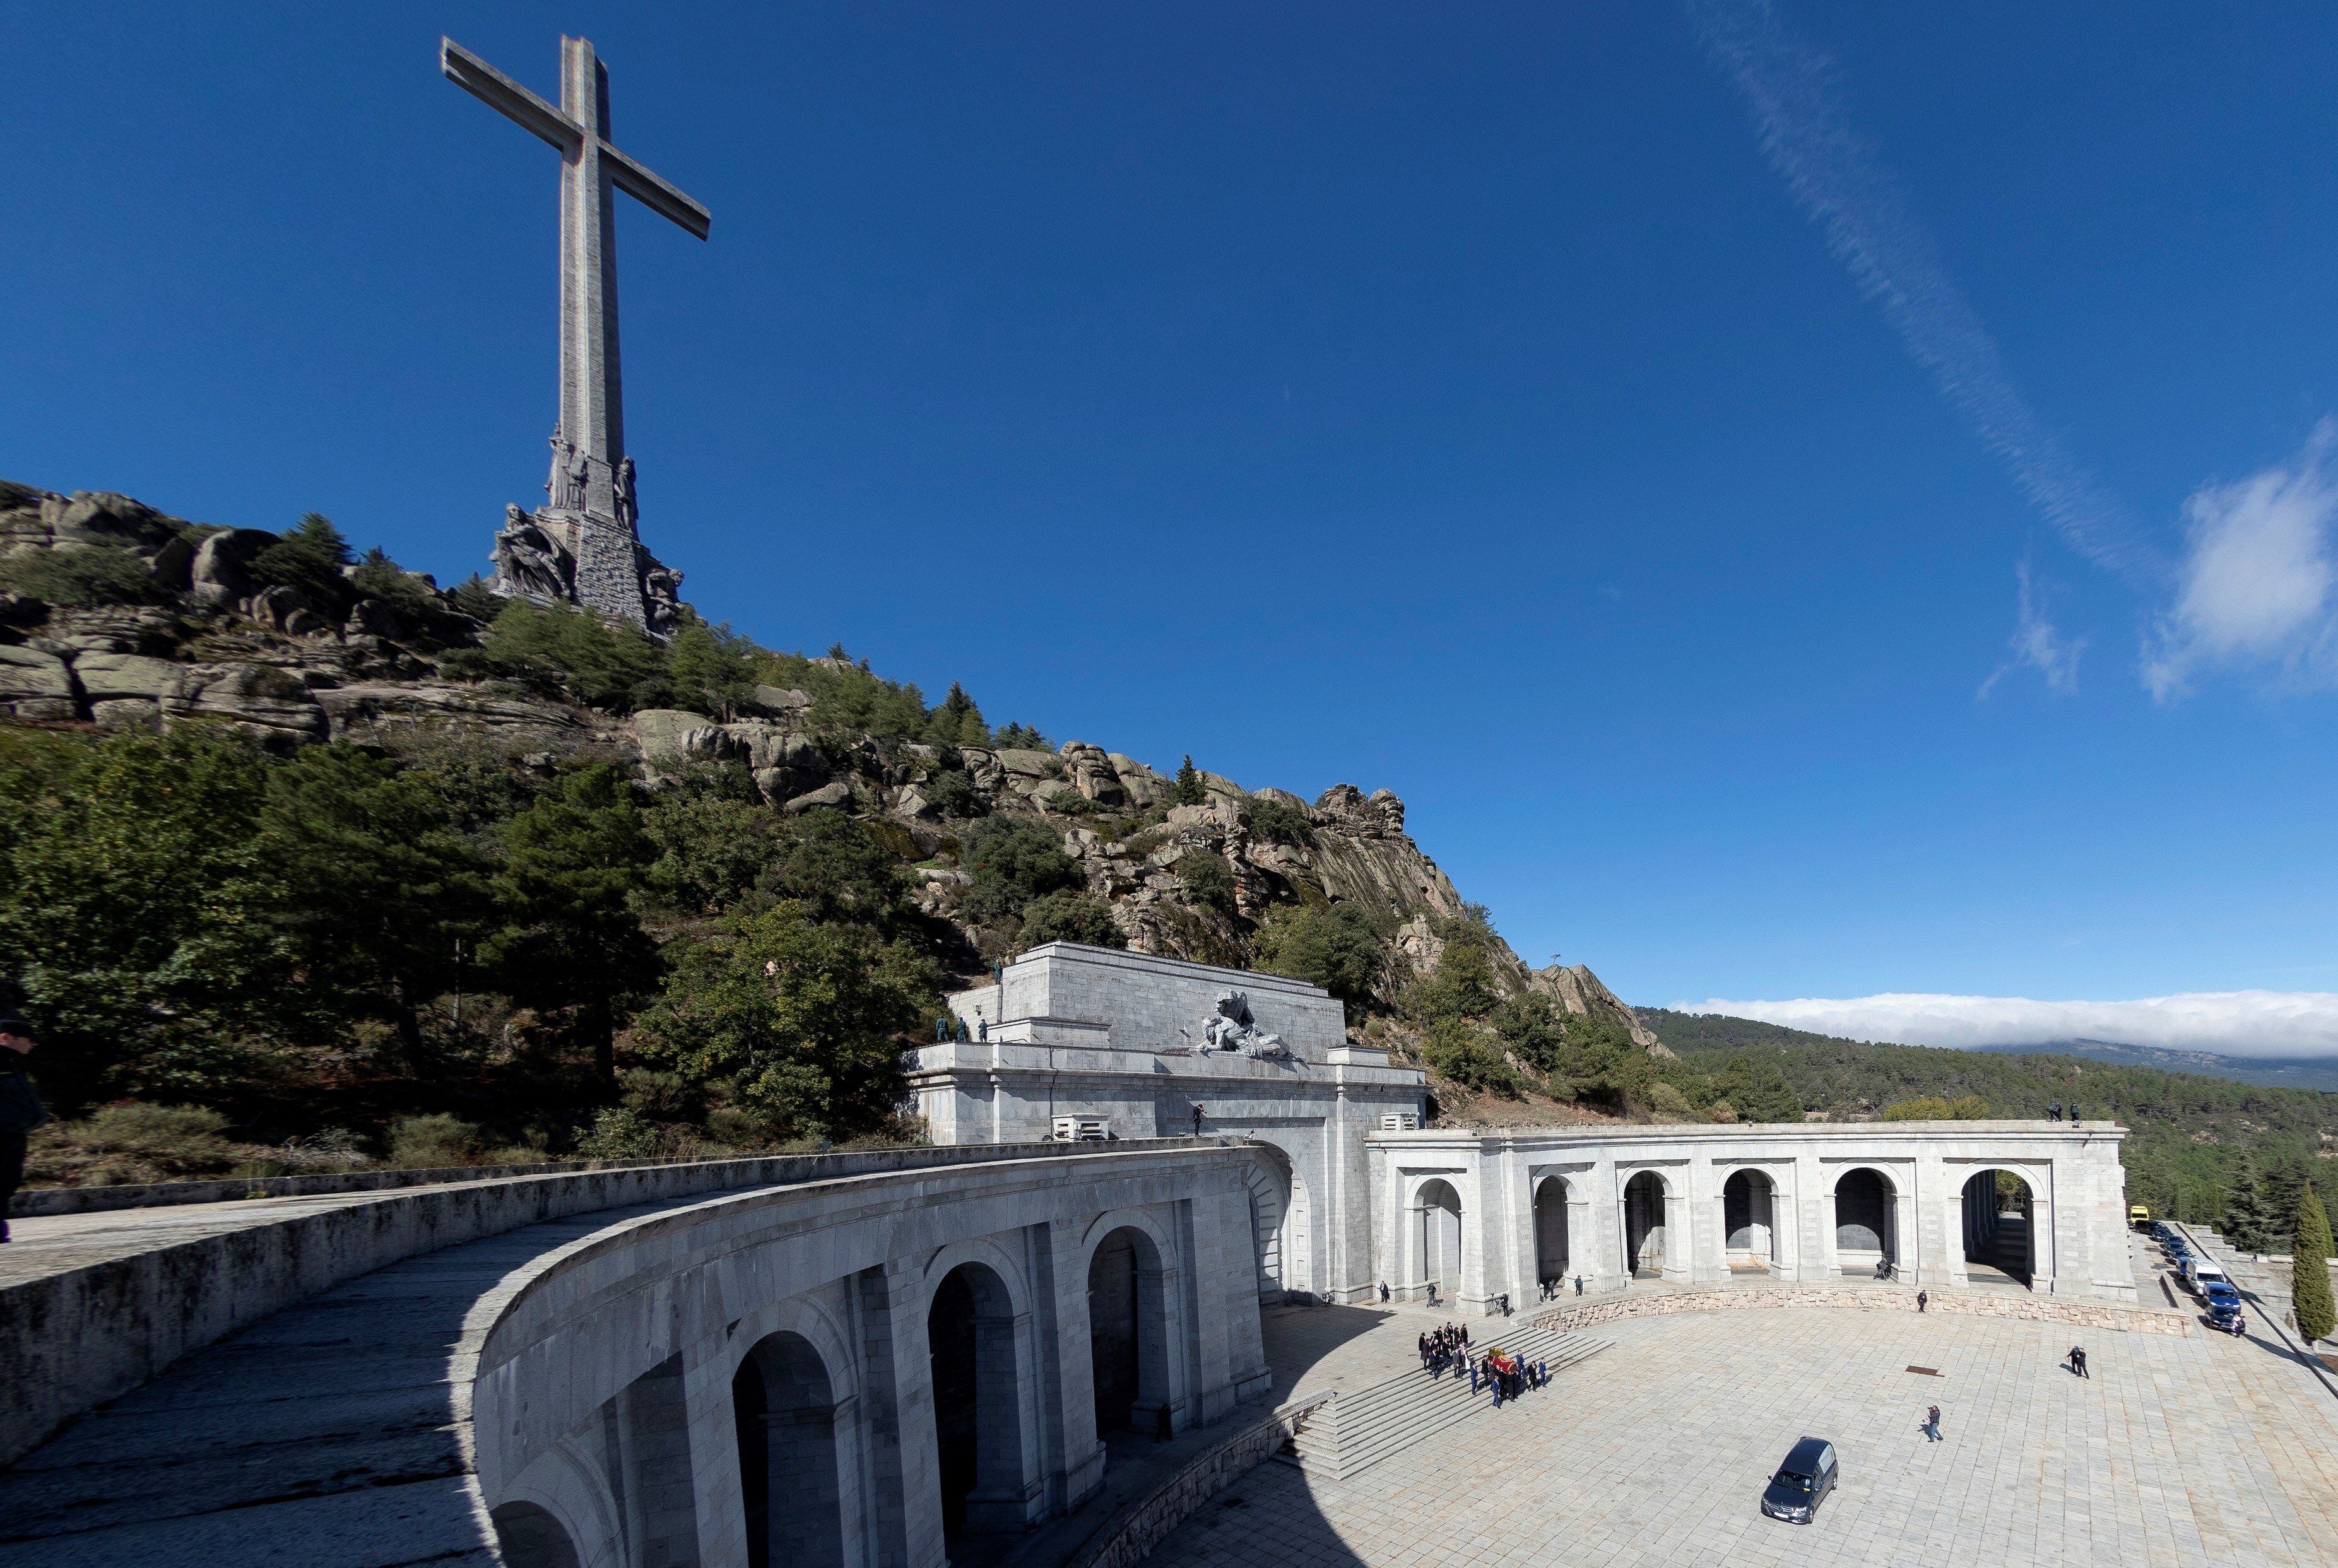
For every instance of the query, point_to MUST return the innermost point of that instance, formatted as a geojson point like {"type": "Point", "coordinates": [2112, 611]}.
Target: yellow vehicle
{"type": "Point", "coordinates": [2137, 1215]}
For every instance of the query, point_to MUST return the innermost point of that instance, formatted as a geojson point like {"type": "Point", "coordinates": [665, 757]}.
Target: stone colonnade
{"type": "Point", "coordinates": [1706, 1205]}
{"type": "Point", "coordinates": [863, 1371]}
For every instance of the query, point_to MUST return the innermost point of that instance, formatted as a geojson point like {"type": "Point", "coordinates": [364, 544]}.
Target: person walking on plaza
{"type": "Point", "coordinates": [2079, 1363]}
{"type": "Point", "coordinates": [1473, 1378]}
{"type": "Point", "coordinates": [1579, 1284]}
{"type": "Point", "coordinates": [20, 1109]}
{"type": "Point", "coordinates": [1923, 1299]}
{"type": "Point", "coordinates": [1932, 1424]}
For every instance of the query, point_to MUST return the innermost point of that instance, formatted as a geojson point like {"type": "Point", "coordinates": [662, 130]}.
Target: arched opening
{"type": "Point", "coordinates": [1999, 1241]}
{"type": "Point", "coordinates": [1644, 1226]}
{"type": "Point", "coordinates": [978, 1422]}
{"type": "Point", "coordinates": [1440, 1206]}
{"type": "Point", "coordinates": [1279, 1224]}
{"type": "Point", "coordinates": [1866, 1228]}
{"type": "Point", "coordinates": [1749, 1219]}
{"type": "Point", "coordinates": [1128, 1337]}
{"type": "Point", "coordinates": [785, 1411]}
{"type": "Point", "coordinates": [1550, 1231]}
{"type": "Point", "coordinates": [528, 1536]}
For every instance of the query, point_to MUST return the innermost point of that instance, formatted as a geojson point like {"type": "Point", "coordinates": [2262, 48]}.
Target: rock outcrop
{"type": "Point", "coordinates": [200, 635]}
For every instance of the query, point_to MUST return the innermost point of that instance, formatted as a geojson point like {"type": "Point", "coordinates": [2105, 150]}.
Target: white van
{"type": "Point", "coordinates": [2199, 1273]}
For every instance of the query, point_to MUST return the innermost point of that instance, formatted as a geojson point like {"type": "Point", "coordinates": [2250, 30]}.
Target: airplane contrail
{"type": "Point", "coordinates": [1836, 181]}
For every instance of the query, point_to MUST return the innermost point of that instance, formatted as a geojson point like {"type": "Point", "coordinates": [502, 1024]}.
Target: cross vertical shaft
{"type": "Point", "coordinates": [592, 404]}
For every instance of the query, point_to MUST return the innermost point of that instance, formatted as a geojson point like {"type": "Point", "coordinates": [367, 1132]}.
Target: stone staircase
{"type": "Point", "coordinates": [1362, 1427]}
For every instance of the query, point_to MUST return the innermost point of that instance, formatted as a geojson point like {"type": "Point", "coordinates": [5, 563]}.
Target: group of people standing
{"type": "Point", "coordinates": [1442, 1346]}
{"type": "Point", "coordinates": [1445, 1349]}
{"type": "Point", "coordinates": [1508, 1375]}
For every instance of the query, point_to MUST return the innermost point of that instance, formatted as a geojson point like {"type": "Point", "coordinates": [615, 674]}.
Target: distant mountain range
{"type": "Point", "coordinates": [2273, 1071]}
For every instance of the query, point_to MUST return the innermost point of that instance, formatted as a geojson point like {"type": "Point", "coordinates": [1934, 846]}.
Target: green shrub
{"type": "Point", "coordinates": [618, 1133]}
{"type": "Point", "coordinates": [308, 559]}
{"type": "Point", "coordinates": [1010, 861]}
{"type": "Point", "coordinates": [1668, 1103]}
{"type": "Point", "coordinates": [1190, 789]}
{"type": "Point", "coordinates": [81, 576]}
{"type": "Point", "coordinates": [1464, 1053]}
{"type": "Point", "coordinates": [807, 1023]}
{"type": "Point", "coordinates": [1207, 880]}
{"type": "Point", "coordinates": [139, 1143]}
{"type": "Point", "coordinates": [1334, 945]}
{"type": "Point", "coordinates": [428, 1142]}
{"type": "Point", "coordinates": [951, 793]}
{"type": "Point", "coordinates": [2310, 1264]}
{"type": "Point", "coordinates": [1021, 738]}
{"type": "Point", "coordinates": [1533, 1028]}
{"type": "Point", "coordinates": [1278, 822]}
{"type": "Point", "coordinates": [570, 654]}
{"type": "Point", "coordinates": [1069, 918]}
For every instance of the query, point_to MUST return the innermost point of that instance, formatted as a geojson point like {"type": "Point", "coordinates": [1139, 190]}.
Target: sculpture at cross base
{"type": "Point", "coordinates": [531, 563]}
{"type": "Point", "coordinates": [1231, 1026]}
{"type": "Point", "coordinates": [592, 508]}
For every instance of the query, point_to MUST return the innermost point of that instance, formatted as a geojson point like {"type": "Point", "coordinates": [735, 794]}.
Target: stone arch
{"type": "Point", "coordinates": [1866, 1219]}
{"type": "Point", "coordinates": [528, 1535]}
{"type": "Point", "coordinates": [1133, 1321]}
{"type": "Point", "coordinates": [1437, 1210]}
{"type": "Point", "coordinates": [1551, 1240]}
{"type": "Point", "coordinates": [1749, 1217]}
{"type": "Point", "coordinates": [2001, 1229]}
{"type": "Point", "coordinates": [1647, 1232]}
{"type": "Point", "coordinates": [1279, 1222]}
{"type": "Point", "coordinates": [791, 1471]}
{"type": "Point", "coordinates": [971, 1333]}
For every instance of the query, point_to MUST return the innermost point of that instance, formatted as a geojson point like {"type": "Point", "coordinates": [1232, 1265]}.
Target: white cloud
{"type": "Point", "coordinates": [2039, 644]}
{"type": "Point", "coordinates": [2256, 587]}
{"type": "Point", "coordinates": [2231, 1023]}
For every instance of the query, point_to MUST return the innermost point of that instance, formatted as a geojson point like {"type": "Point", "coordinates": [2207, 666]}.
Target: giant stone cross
{"type": "Point", "coordinates": [584, 545]}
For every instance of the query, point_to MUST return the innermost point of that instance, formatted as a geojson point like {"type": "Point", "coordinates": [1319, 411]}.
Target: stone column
{"type": "Point", "coordinates": [1070, 1388]}
{"type": "Point", "coordinates": [1585, 1235]}
{"type": "Point", "coordinates": [1708, 1227]}
{"type": "Point", "coordinates": [1829, 1266]}
{"type": "Point", "coordinates": [1605, 1234]}
{"type": "Point", "coordinates": [1940, 1208]}
{"type": "Point", "coordinates": [2045, 1242]}
{"type": "Point", "coordinates": [904, 1477]}
{"type": "Point", "coordinates": [1680, 1229]}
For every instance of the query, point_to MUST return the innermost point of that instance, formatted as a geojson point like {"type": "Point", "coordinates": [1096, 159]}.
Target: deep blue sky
{"type": "Point", "coordinates": [1448, 399]}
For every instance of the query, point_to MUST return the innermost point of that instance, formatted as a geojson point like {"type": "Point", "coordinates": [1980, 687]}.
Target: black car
{"type": "Point", "coordinates": [1802, 1483]}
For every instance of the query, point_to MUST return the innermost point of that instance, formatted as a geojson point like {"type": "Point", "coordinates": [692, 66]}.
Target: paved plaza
{"type": "Point", "coordinates": [2179, 1451]}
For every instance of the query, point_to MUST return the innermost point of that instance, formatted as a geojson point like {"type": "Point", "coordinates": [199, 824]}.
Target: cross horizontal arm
{"type": "Point", "coordinates": [492, 87]}
{"type": "Point", "coordinates": [654, 193]}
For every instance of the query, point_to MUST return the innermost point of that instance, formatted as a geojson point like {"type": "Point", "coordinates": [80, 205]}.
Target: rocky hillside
{"type": "Point", "coordinates": [151, 621]}
{"type": "Point", "coordinates": [492, 728]}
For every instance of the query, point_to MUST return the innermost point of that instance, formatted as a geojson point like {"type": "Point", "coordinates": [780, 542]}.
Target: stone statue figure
{"type": "Point", "coordinates": [628, 509]}
{"type": "Point", "coordinates": [941, 1031]}
{"type": "Point", "coordinates": [1233, 1027]}
{"type": "Point", "coordinates": [961, 1031]}
{"type": "Point", "coordinates": [530, 562]}
{"type": "Point", "coordinates": [565, 490]}
{"type": "Point", "coordinates": [661, 597]}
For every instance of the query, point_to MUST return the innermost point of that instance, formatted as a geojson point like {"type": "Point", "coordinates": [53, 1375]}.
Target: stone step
{"type": "Point", "coordinates": [1357, 1430]}
{"type": "Point", "coordinates": [1345, 1454]}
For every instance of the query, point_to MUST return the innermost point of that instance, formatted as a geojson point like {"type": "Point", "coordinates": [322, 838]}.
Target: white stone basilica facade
{"type": "Point", "coordinates": [1072, 1041]}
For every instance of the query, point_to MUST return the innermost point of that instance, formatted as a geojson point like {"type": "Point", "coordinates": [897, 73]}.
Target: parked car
{"type": "Point", "coordinates": [2199, 1274]}
{"type": "Point", "coordinates": [1802, 1483]}
{"type": "Point", "coordinates": [2225, 1309]}
{"type": "Point", "coordinates": [2138, 1216]}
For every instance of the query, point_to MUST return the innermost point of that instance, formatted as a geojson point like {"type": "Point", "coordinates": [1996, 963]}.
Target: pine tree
{"type": "Point", "coordinates": [1189, 790]}
{"type": "Point", "coordinates": [2245, 1222]}
{"type": "Point", "coordinates": [2310, 1261]}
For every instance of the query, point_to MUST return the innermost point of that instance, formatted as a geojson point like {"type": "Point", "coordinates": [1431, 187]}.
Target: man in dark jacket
{"type": "Point", "coordinates": [20, 1109]}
